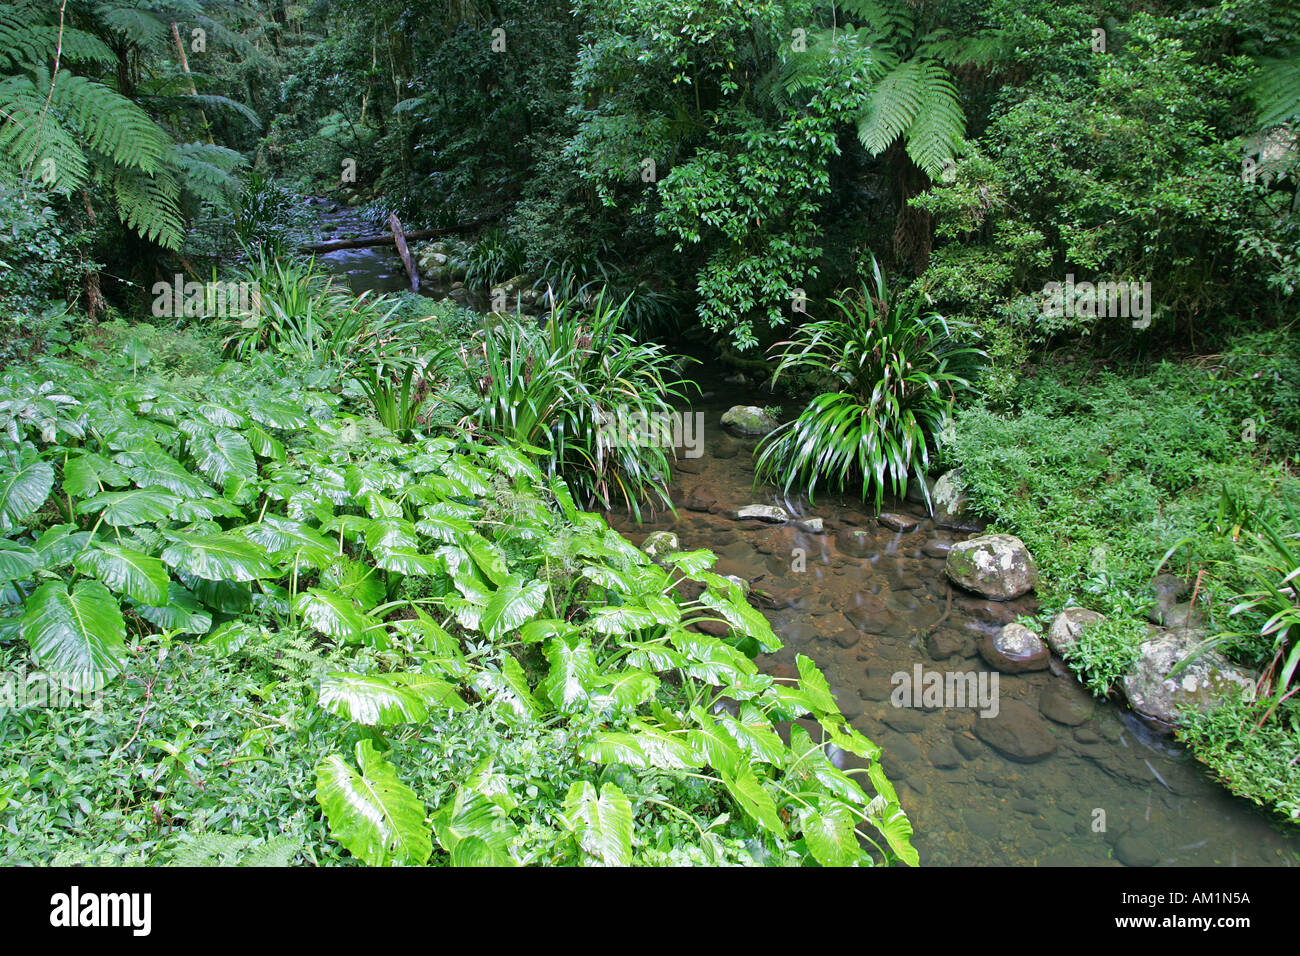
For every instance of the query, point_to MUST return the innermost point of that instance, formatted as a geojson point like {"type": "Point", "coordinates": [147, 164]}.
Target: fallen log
{"type": "Point", "coordinates": [334, 245]}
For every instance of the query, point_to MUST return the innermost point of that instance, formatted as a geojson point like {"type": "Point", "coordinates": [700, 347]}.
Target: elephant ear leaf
{"type": "Point", "coordinates": [830, 835]}
{"type": "Point", "coordinates": [23, 491]}
{"type": "Point", "coordinates": [376, 817]}
{"type": "Point", "coordinates": [139, 576]}
{"type": "Point", "coordinates": [602, 827]}
{"type": "Point", "coordinates": [78, 635]}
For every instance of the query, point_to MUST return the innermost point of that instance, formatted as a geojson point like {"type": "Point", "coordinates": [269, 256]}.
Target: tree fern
{"type": "Point", "coordinates": [149, 204]}
{"type": "Point", "coordinates": [1277, 91]}
{"type": "Point", "coordinates": [23, 39]}
{"type": "Point", "coordinates": [892, 106]}
{"type": "Point", "coordinates": [939, 124]}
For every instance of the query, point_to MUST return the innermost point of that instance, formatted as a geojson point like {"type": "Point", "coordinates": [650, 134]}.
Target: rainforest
{"type": "Point", "coordinates": [828, 433]}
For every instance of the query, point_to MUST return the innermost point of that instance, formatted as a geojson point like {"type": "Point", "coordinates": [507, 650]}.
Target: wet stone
{"type": "Point", "coordinates": [1017, 732]}
{"type": "Point", "coordinates": [1136, 849]}
{"type": "Point", "coordinates": [897, 522]}
{"type": "Point", "coordinates": [966, 746]}
{"type": "Point", "coordinates": [1066, 703]}
{"type": "Point", "coordinates": [945, 757]}
{"type": "Point", "coordinates": [905, 720]}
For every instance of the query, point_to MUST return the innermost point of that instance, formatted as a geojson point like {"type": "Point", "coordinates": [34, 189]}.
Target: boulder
{"type": "Point", "coordinates": [1014, 650]}
{"type": "Point", "coordinates": [951, 504]}
{"type": "Point", "coordinates": [1066, 703]}
{"type": "Point", "coordinates": [898, 522]}
{"type": "Point", "coordinates": [1017, 732]}
{"type": "Point", "coordinates": [749, 420]}
{"type": "Point", "coordinates": [855, 542]}
{"type": "Point", "coordinates": [1068, 625]}
{"type": "Point", "coordinates": [1208, 680]}
{"type": "Point", "coordinates": [998, 566]}
{"type": "Point", "coordinates": [661, 542]}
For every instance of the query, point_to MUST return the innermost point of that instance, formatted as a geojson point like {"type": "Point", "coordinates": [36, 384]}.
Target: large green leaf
{"type": "Point", "coordinates": [23, 490]}
{"type": "Point", "coordinates": [753, 799]}
{"type": "Point", "coordinates": [17, 562]}
{"type": "Point", "coordinates": [602, 826]}
{"type": "Point", "coordinates": [287, 536]}
{"type": "Point", "coordinates": [511, 606]}
{"type": "Point", "coordinates": [137, 506]}
{"type": "Point", "coordinates": [336, 616]}
{"type": "Point", "coordinates": [182, 612]}
{"type": "Point", "coordinates": [573, 668]}
{"type": "Point", "coordinates": [829, 833]}
{"type": "Point", "coordinates": [386, 699]}
{"type": "Point", "coordinates": [223, 455]}
{"type": "Point", "coordinates": [375, 816]}
{"type": "Point", "coordinates": [218, 557]}
{"type": "Point", "coordinates": [80, 635]}
{"type": "Point", "coordinates": [85, 474]}
{"type": "Point", "coordinates": [886, 815]}
{"type": "Point", "coordinates": [139, 576]}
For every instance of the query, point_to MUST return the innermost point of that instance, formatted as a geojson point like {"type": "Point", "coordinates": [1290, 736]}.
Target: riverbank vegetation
{"type": "Point", "coordinates": [339, 551]}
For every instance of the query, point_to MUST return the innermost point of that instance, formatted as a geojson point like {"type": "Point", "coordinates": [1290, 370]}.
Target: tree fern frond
{"type": "Point", "coordinates": [892, 106]}
{"type": "Point", "coordinates": [1276, 91]}
{"type": "Point", "coordinates": [207, 172]}
{"type": "Point", "coordinates": [892, 20]}
{"type": "Point", "coordinates": [111, 123]}
{"type": "Point", "coordinates": [983, 49]}
{"type": "Point", "coordinates": [939, 126]}
{"type": "Point", "coordinates": [214, 101]}
{"type": "Point", "coordinates": [31, 140]}
{"type": "Point", "coordinates": [150, 204]}
{"type": "Point", "coordinates": [134, 22]}
{"type": "Point", "coordinates": [25, 41]}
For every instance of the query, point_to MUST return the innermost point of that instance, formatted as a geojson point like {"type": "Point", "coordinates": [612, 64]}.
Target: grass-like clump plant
{"type": "Point", "coordinates": [893, 373]}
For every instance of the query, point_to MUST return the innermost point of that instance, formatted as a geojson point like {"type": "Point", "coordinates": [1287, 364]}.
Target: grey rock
{"type": "Point", "coordinates": [1017, 732]}
{"type": "Point", "coordinates": [772, 514]}
{"type": "Point", "coordinates": [749, 420]}
{"type": "Point", "coordinates": [1014, 650]}
{"type": "Point", "coordinates": [1068, 625]}
{"type": "Point", "coordinates": [1066, 703]}
{"type": "Point", "coordinates": [998, 566]}
{"type": "Point", "coordinates": [1208, 680]}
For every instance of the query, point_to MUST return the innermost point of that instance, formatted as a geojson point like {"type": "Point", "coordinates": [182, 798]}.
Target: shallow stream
{"type": "Point", "coordinates": [867, 602]}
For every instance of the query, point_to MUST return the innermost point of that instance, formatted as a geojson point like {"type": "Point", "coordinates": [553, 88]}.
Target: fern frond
{"type": "Point", "coordinates": [206, 172]}
{"type": "Point", "coordinates": [111, 123]}
{"type": "Point", "coordinates": [150, 204]}
{"type": "Point", "coordinates": [983, 49]}
{"type": "Point", "coordinates": [31, 140]}
{"type": "Point", "coordinates": [892, 106]}
{"type": "Point", "coordinates": [1276, 91]}
{"type": "Point", "coordinates": [134, 23]}
{"type": "Point", "coordinates": [891, 19]}
{"type": "Point", "coordinates": [26, 41]}
{"type": "Point", "coordinates": [939, 126]}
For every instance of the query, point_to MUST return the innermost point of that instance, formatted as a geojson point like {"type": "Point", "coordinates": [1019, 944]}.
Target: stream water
{"type": "Point", "coordinates": [863, 601]}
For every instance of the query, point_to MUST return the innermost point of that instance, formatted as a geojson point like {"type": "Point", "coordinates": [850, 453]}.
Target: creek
{"type": "Point", "coordinates": [867, 603]}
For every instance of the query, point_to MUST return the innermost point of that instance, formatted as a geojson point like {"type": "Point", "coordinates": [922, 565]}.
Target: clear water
{"type": "Point", "coordinates": [968, 803]}
{"type": "Point", "coordinates": [1156, 803]}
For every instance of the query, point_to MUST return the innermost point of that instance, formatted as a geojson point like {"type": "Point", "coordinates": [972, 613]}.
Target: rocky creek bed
{"type": "Point", "coordinates": [866, 597]}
